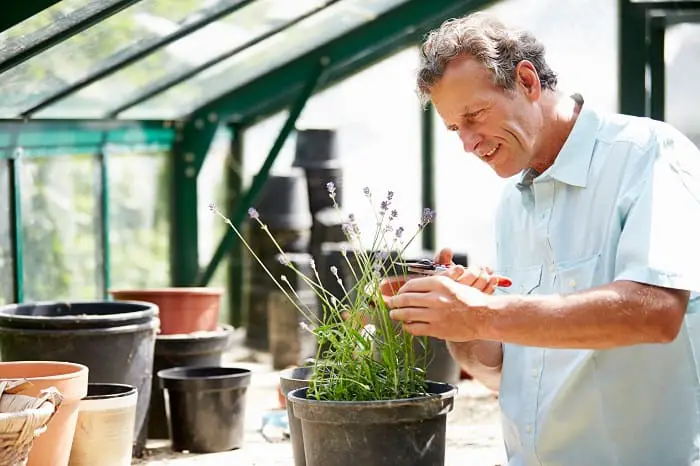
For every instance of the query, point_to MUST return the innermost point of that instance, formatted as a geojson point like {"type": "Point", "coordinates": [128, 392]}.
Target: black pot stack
{"type": "Point", "coordinates": [317, 154]}
{"type": "Point", "coordinates": [283, 207]}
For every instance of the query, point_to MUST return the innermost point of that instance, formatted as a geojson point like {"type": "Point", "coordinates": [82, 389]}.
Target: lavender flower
{"type": "Point", "coordinates": [399, 232]}
{"type": "Point", "coordinates": [394, 213]}
{"type": "Point", "coordinates": [330, 186]}
{"type": "Point", "coordinates": [366, 191]}
{"type": "Point", "coordinates": [427, 217]}
{"type": "Point", "coordinates": [334, 270]}
{"type": "Point", "coordinates": [284, 260]}
{"type": "Point", "coordinates": [252, 213]}
{"type": "Point", "coordinates": [383, 207]}
{"type": "Point", "coordinates": [389, 195]}
{"type": "Point", "coordinates": [212, 207]}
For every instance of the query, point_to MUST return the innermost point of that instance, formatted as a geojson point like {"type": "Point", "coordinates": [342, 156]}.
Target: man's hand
{"type": "Point", "coordinates": [440, 306]}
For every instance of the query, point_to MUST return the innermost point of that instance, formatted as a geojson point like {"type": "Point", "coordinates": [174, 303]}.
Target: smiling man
{"type": "Point", "coordinates": [593, 346]}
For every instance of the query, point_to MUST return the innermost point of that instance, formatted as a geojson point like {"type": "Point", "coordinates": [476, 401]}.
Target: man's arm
{"type": "Point", "coordinates": [619, 314]}
{"type": "Point", "coordinates": [482, 359]}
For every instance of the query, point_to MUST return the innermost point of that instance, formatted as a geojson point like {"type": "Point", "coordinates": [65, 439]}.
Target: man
{"type": "Point", "coordinates": [592, 347]}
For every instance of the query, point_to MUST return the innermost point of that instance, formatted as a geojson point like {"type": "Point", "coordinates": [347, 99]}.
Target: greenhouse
{"type": "Point", "coordinates": [123, 122]}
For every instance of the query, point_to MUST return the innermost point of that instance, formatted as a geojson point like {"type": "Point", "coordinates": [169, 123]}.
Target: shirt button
{"type": "Point", "coordinates": [572, 283]}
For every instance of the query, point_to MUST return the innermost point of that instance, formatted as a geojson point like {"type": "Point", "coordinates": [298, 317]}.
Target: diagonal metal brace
{"type": "Point", "coordinates": [259, 180]}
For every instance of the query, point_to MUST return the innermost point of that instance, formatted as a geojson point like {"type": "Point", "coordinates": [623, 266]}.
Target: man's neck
{"type": "Point", "coordinates": [561, 112]}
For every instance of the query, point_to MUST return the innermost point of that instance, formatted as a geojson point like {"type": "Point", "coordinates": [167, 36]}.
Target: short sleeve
{"type": "Point", "coordinates": [660, 240]}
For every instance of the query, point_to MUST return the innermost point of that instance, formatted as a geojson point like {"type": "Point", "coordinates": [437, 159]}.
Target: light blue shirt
{"type": "Point", "coordinates": [621, 202]}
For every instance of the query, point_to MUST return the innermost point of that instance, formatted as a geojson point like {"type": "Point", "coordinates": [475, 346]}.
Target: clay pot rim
{"type": "Point", "coordinates": [222, 330]}
{"type": "Point", "coordinates": [194, 290]}
{"type": "Point", "coordinates": [78, 370]}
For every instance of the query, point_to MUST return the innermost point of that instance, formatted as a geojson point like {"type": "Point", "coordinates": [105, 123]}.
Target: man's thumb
{"type": "Point", "coordinates": [444, 257]}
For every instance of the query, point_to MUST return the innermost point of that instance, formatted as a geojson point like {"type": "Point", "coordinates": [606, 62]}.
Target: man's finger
{"type": "Point", "coordinates": [412, 314]}
{"type": "Point", "coordinates": [407, 299]}
{"type": "Point", "coordinates": [417, 329]}
{"type": "Point", "coordinates": [444, 257]}
{"type": "Point", "coordinates": [424, 284]}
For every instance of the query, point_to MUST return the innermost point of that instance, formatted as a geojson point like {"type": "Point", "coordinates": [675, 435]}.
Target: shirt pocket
{"type": "Point", "coordinates": [577, 275]}
{"type": "Point", "coordinates": [525, 279]}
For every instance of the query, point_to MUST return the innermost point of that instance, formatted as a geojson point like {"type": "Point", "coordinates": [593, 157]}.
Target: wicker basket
{"type": "Point", "coordinates": [22, 419]}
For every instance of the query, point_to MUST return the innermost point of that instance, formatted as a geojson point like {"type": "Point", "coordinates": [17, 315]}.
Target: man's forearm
{"type": "Point", "coordinates": [622, 313]}
{"type": "Point", "coordinates": [482, 359]}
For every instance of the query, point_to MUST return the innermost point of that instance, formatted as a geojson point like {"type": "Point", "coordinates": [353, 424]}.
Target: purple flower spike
{"type": "Point", "coordinates": [330, 186]}
{"type": "Point", "coordinates": [212, 207]}
{"type": "Point", "coordinates": [366, 191]}
{"type": "Point", "coordinates": [399, 232]}
{"type": "Point", "coordinates": [428, 216]}
{"type": "Point", "coordinates": [252, 213]}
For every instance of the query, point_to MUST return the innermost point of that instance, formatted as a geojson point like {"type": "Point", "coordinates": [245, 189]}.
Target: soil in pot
{"type": "Point", "coordinates": [105, 427]}
{"type": "Point", "coordinates": [53, 446]}
{"type": "Point", "coordinates": [408, 432]}
{"type": "Point", "coordinates": [292, 379]}
{"type": "Point", "coordinates": [182, 309]}
{"type": "Point", "coordinates": [206, 407]}
{"type": "Point", "coordinates": [115, 340]}
{"type": "Point", "coordinates": [196, 349]}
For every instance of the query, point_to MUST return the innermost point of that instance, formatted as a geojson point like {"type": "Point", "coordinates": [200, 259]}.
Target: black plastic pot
{"type": "Point", "coordinates": [375, 433]}
{"type": "Point", "coordinates": [115, 340]}
{"type": "Point", "coordinates": [197, 349]}
{"type": "Point", "coordinates": [206, 407]}
{"type": "Point", "coordinates": [316, 148]}
{"type": "Point", "coordinates": [284, 202]}
{"type": "Point", "coordinates": [292, 379]}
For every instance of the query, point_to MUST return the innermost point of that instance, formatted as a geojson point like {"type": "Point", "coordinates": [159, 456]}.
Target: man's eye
{"type": "Point", "coordinates": [473, 115]}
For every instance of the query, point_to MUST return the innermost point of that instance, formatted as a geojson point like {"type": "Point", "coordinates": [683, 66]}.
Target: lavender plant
{"type": "Point", "coordinates": [363, 355]}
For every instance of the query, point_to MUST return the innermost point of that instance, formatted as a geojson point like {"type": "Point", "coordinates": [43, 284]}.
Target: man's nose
{"type": "Point", "coordinates": [469, 140]}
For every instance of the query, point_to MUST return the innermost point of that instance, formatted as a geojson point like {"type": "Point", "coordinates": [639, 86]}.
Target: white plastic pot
{"type": "Point", "coordinates": [106, 423]}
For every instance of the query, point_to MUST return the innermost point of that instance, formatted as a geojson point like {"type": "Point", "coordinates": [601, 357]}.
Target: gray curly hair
{"type": "Point", "coordinates": [498, 47]}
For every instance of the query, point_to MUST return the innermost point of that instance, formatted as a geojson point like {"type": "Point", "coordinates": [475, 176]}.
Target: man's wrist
{"type": "Point", "coordinates": [491, 315]}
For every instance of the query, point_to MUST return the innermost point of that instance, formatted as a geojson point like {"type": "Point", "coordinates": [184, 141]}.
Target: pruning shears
{"type": "Point", "coordinates": [429, 267]}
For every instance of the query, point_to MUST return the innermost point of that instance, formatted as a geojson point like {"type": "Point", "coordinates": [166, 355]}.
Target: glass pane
{"type": "Point", "coordinates": [75, 58]}
{"type": "Point", "coordinates": [138, 219]}
{"type": "Point", "coordinates": [48, 23]}
{"type": "Point", "coordinates": [232, 31]}
{"type": "Point", "coordinates": [60, 222]}
{"type": "Point", "coordinates": [254, 61]}
{"type": "Point", "coordinates": [358, 109]}
{"type": "Point", "coordinates": [6, 282]}
{"type": "Point", "coordinates": [682, 65]}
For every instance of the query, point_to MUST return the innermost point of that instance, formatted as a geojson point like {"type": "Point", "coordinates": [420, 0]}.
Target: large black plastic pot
{"type": "Point", "coordinates": [191, 350]}
{"type": "Point", "coordinates": [292, 379]}
{"type": "Point", "coordinates": [115, 340]}
{"type": "Point", "coordinates": [206, 407]}
{"type": "Point", "coordinates": [407, 432]}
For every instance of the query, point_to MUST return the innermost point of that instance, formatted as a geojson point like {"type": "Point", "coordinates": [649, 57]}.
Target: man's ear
{"type": "Point", "coordinates": [528, 80]}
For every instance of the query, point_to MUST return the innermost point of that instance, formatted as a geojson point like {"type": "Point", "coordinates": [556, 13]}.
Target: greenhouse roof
{"type": "Point", "coordinates": [168, 60]}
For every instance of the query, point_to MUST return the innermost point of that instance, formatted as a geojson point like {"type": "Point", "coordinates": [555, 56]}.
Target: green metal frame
{"type": "Point", "coordinates": [22, 140]}
{"type": "Point", "coordinates": [348, 54]}
{"type": "Point", "coordinates": [48, 42]}
{"type": "Point", "coordinates": [642, 25]}
{"type": "Point", "coordinates": [140, 51]}
{"type": "Point", "coordinates": [20, 11]}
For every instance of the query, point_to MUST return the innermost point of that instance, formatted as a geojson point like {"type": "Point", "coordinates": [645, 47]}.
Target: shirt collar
{"type": "Point", "coordinates": [573, 162]}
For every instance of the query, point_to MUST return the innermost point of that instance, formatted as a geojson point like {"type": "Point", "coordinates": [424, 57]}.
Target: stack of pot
{"type": "Point", "coordinates": [190, 335]}
{"type": "Point", "coordinates": [97, 341]}
{"type": "Point", "coordinates": [273, 321]}
{"type": "Point", "coordinates": [317, 154]}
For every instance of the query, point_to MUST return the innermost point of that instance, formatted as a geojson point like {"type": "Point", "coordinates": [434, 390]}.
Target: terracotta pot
{"type": "Point", "coordinates": [54, 446]}
{"type": "Point", "coordinates": [182, 309]}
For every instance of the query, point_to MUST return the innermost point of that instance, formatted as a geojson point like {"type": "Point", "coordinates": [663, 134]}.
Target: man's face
{"type": "Point", "coordinates": [500, 127]}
